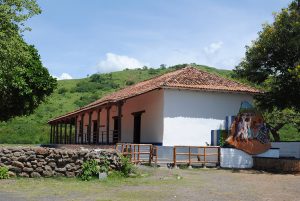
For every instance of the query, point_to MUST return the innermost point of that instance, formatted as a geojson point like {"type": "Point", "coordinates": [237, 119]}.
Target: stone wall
{"type": "Point", "coordinates": [48, 162]}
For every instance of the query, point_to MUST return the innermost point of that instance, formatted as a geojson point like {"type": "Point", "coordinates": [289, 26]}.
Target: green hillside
{"type": "Point", "coordinates": [71, 94]}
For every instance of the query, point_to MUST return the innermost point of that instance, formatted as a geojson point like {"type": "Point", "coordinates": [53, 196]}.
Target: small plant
{"type": "Point", "coordinates": [4, 173]}
{"type": "Point", "coordinates": [90, 169]}
{"type": "Point", "coordinates": [126, 166]}
{"type": "Point", "coordinates": [104, 167]}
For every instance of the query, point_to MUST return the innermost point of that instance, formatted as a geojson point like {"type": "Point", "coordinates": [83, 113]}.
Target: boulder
{"type": "Point", "coordinates": [35, 175]}
{"type": "Point", "coordinates": [17, 164]}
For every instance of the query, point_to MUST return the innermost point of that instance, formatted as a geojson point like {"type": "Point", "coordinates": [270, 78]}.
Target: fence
{"type": "Point", "coordinates": [190, 155]}
{"type": "Point", "coordinates": [137, 153]}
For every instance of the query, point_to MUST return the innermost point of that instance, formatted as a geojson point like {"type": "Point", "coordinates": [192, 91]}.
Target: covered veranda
{"type": "Point", "coordinates": [85, 125]}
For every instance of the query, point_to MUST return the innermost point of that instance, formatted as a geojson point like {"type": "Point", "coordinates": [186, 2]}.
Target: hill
{"type": "Point", "coordinates": [71, 94]}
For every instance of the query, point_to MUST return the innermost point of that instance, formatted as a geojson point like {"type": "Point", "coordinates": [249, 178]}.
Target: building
{"type": "Point", "coordinates": [177, 108]}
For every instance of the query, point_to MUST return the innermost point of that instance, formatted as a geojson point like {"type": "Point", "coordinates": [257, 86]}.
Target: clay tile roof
{"type": "Point", "coordinates": [185, 78]}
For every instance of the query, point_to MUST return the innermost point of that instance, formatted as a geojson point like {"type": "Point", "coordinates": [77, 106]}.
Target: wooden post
{"type": "Point", "coordinates": [70, 133]}
{"type": "Point", "coordinates": [138, 152]}
{"type": "Point", "coordinates": [119, 120]}
{"type": "Point", "coordinates": [107, 124]}
{"type": "Point", "coordinates": [76, 128]}
{"type": "Point", "coordinates": [190, 156]}
{"type": "Point", "coordinates": [219, 153]}
{"type": "Point", "coordinates": [204, 151]}
{"type": "Point", "coordinates": [65, 140]}
{"type": "Point", "coordinates": [82, 129]}
{"type": "Point", "coordinates": [98, 125]}
{"type": "Point", "coordinates": [51, 134]}
{"type": "Point", "coordinates": [174, 156]}
{"type": "Point", "coordinates": [89, 128]}
{"type": "Point", "coordinates": [60, 134]}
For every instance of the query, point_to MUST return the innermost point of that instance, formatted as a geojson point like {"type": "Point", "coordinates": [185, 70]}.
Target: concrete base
{"type": "Point", "coordinates": [235, 158]}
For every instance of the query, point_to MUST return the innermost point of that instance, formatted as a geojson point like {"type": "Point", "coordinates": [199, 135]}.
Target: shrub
{"type": "Point", "coordinates": [129, 82]}
{"type": "Point", "coordinates": [126, 166]}
{"type": "Point", "coordinates": [4, 173]}
{"type": "Point", "coordinates": [90, 169]}
{"type": "Point", "coordinates": [104, 167]}
{"type": "Point", "coordinates": [62, 90]}
{"type": "Point", "coordinates": [84, 100]}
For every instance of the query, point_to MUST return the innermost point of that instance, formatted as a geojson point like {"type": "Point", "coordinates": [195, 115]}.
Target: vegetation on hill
{"type": "Point", "coordinates": [72, 94]}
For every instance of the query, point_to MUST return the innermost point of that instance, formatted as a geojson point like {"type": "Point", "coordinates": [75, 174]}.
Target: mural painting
{"type": "Point", "coordinates": [248, 131]}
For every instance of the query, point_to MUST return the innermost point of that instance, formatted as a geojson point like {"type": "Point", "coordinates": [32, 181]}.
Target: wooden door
{"type": "Point", "coordinates": [137, 128]}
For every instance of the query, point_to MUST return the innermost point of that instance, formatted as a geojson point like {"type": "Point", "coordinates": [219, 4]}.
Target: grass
{"type": "Point", "coordinates": [72, 94]}
{"type": "Point", "coordinates": [158, 184]}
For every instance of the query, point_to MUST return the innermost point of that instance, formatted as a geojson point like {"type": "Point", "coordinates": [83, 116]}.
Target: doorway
{"type": "Point", "coordinates": [137, 122]}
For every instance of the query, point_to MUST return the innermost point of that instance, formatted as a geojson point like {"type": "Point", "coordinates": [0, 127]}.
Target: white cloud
{"type": "Point", "coordinates": [64, 76]}
{"type": "Point", "coordinates": [114, 62]}
{"type": "Point", "coordinates": [213, 47]}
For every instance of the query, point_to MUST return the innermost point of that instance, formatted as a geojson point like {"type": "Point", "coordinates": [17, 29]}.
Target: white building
{"type": "Point", "coordinates": [177, 108]}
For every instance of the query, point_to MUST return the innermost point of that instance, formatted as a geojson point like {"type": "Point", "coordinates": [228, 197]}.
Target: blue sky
{"type": "Point", "coordinates": [77, 37]}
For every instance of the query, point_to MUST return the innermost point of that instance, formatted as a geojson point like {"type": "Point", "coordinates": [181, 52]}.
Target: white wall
{"type": "Point", "coordinates": [189, 116]}
{"type": "Point", "coordinates": [151, 120]}
{"type": "Point", "coordinates": [287, 149]}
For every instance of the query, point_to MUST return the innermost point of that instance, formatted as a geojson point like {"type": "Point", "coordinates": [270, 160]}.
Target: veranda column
{"type": "Point", "coordinates": [70, 132]}
{"type": "Point", "coordinates": [57, 133]}
{"type": "Point", "coordinates": [51, 129]}
{"type": "Point", "coordinates": [76, 128]}
{"type": "Point", "coordinates": [107, 124]}
{"type": "Point", "coordinates": [119, 120]}
{"type": "Point", "coordinates": [54, 134]}
{"type": "Point", "coordinates": [60, 134]}
{"type": "Point", "coordinates": [81, 127]}
{"type": "Point", "coordinates": [89, 128]}
{"type": "Point", "coordinates": [65, 138]}
{"type": "Point", "coordinates": [98, 126]}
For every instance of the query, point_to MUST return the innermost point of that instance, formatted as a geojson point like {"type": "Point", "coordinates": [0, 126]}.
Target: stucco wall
{"type": "Point", "coordinates": [151, 121]}
{"type": "Point", "coordinates": [189, 116]}
{"type": "Point", "coordinates": [288, 149]}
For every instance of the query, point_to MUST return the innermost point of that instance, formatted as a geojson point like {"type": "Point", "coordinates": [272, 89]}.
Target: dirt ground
{"type": "Point", "coordinates": [160, 184]}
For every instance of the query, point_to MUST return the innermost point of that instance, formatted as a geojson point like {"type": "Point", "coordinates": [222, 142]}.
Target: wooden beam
{"type": "Point", "coordinates": [107, 123]}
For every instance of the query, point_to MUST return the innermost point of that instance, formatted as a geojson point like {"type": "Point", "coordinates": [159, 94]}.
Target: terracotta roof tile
{"type": "Point", "coordinates": [186, 78]}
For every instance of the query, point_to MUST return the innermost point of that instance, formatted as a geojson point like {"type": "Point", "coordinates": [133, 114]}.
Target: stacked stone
{"type": "Point", "coordinates": [48, 162]}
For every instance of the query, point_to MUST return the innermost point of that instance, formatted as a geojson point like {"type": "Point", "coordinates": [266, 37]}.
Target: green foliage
{"type": "Point", "coordinates": [90, 169]}
{"type": "Point", "coordinates": [129, 82]}
{"type": "Point", "coordinates": [104, 167]}
{"type": "Point", "coordinates": [84, 100]}
{"type": "Point", "coordinates": [4, 173]}
{"type": "Point", "coordinates": [24, 82]}
{"type": "Point", "coordinates": [273, 61]}
{"type": "Point", "coordinates": [126, 166]}
{"type": "Point", "coordinates": [62, 90]}
{"type": "Point", "coordinates": [277, 119]}
{"type": "Point", "coordinates": [85, 86]}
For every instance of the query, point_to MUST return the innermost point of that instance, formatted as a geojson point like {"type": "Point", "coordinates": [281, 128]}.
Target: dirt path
{"type": "Point", "coordinates": [162, 184]}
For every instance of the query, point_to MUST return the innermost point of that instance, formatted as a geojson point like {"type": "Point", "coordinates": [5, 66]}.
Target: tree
{"type": "Point", "coordinates": [273, 62]}
{"type": "Point", "coordinates": [24, 82]}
